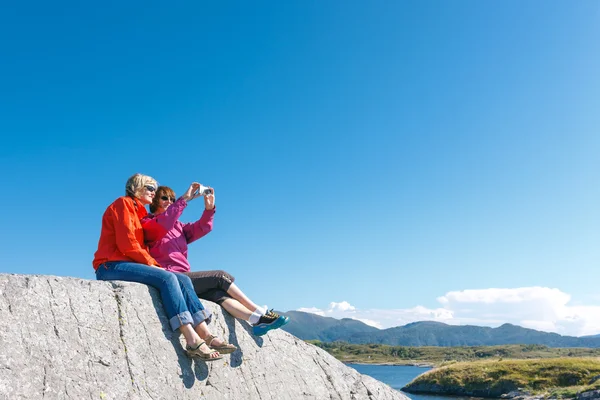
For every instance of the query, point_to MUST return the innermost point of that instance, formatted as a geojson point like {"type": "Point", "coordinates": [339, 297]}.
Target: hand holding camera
{"type": "Point", "coordinates": [198, 190]}
{"type": "Point", "coordinates": [190, 193]}
{"type": "Point", "coordinates": [209, 199]}
{"type": "Point", "coordinates": [204, 191]}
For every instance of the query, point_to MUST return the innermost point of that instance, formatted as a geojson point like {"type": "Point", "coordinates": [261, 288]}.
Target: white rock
{"type": "Point", "coordinates": [68, 338]}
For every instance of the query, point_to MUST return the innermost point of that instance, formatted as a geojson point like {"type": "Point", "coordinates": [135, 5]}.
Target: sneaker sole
{"type": "Point", "coordinates": [262, 329]}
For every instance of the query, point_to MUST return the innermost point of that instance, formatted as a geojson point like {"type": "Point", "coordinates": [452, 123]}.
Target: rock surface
{"type": "Point", "coordinates": [591, 395]}
{"type": "Point", "coordinates": [68, 338]}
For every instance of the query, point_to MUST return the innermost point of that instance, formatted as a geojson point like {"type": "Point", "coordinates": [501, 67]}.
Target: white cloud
{"type": "Point", "coordinates": [493, 295]}
{"type": "Point", "coordinates": [541, 308]}
{"type": "Point", "coordinates": [342, 306]}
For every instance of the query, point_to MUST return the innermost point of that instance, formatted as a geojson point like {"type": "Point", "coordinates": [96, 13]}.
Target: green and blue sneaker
{"type": "Point", "coordinates": [271, 320]}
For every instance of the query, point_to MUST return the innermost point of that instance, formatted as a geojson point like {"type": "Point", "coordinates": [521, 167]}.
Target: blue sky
{"type": "Point", "coordinates": [385, 161]}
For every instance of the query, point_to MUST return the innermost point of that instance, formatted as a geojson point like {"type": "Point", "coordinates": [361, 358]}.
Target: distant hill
{"type": "Point", "coordinates": [309, 326]}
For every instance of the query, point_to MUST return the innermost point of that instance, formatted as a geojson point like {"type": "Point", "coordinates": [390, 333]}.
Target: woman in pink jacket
{"type": "Point", "coordinates": [169, 246]}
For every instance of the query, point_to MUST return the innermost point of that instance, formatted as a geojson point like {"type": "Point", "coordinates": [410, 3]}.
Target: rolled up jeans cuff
{"type": "Point", "coordinates": [202, 315]}
{"type": "Point", "coordinates": [181, 319]}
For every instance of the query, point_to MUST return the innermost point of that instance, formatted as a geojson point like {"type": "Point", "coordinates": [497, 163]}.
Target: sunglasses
{"type": "Point", "coordinates": [165, 198]}
{"type": "Point", "coordinates": [150, 188]}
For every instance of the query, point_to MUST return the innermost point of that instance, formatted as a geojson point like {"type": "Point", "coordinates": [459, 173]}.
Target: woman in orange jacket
{"type": "Point", "coordinates": [122, 255]}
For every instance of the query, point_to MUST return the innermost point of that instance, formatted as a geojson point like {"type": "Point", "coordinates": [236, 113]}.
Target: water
{"type": "Point", "coordinates": [397, 376]}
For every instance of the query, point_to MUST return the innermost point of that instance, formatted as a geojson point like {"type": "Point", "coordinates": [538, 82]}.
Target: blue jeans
{"type": "Point", "coordinates": [176, 290]}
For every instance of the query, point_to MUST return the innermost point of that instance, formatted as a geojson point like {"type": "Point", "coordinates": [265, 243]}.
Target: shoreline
{"type": "Point", "coordinates": [394, 364]}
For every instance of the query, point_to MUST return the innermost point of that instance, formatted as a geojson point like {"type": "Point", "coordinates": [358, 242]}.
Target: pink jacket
{"type": "Point", "coordinates": [167, 238]}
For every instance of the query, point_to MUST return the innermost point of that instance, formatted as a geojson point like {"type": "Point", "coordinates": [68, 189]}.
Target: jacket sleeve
{"type": "Point", "coordinates": [157, 226]}
{"type": "Point", "coordinates": [153, 231]}
{"type": "Point", "coordinates": [124, 217]}
{"type": "Point", "coordinates": [195, 230]}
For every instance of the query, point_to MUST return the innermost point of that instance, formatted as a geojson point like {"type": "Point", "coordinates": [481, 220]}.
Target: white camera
{"type": "Point", "coordinates": [203, 191]}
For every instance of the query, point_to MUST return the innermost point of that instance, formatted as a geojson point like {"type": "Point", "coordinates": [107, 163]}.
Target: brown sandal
{"type": "Point", "coordinates": [196, 352]}
{"type": "Point", "coordinates": [225, 348]}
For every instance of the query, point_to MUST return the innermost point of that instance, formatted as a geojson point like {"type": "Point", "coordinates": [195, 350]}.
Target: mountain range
{"type": "Point", "coordinates": [309, 326]}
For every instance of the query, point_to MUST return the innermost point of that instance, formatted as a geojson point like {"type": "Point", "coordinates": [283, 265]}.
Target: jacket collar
{"type": "Point", "coordinates": [140, 209]}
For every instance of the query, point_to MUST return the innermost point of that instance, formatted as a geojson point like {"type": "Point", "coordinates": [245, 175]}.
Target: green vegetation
{"type": "Point", "coordinates": [557, 377]}
{"type": "Point", "coordinates": [436, 356]}
{"type": "Point", "coordinates": [485, 371]}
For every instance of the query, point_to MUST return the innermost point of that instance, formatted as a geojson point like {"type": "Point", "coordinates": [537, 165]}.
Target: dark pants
{"type": "Point", "coordinates": [211, 285]}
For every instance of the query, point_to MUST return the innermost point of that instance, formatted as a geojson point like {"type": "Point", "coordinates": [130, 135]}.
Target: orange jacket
{"type": "Point", "coordinates": [122, 236]}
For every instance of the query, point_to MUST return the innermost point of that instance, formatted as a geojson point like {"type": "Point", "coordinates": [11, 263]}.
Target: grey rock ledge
{"type": "Point", "coordinates": [69, 338]}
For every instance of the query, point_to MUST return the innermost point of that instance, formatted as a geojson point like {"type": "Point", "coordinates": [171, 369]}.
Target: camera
{"type": "Point", "coordinates": [203, 191]}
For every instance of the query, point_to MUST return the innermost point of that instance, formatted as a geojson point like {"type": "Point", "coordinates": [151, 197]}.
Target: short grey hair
{"type": "Point", "coordinates": [136, 184]}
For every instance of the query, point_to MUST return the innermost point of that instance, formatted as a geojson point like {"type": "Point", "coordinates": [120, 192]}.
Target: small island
{"type": "Point", "coordinates": [556, 378]}
{"type": "Point", "coordinates": [508, 371]}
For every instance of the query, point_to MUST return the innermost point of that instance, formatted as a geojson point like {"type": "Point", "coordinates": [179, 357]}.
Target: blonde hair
{"type": "Point", "coordinates": [136, 184]}
{"type": "Point", "coordinates": [161, 191]}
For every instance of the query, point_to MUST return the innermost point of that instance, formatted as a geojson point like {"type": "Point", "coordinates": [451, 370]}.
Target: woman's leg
{"type": "Point", "coordinates": [212, 341]}
{"type": "Point", "coordinates": [237, 294]}
{"type": "Point", "coordinates": [207, 281]}
{"type": "Point", "coordinates": [199, 313]}
{"type": "Point", "coordinates": [201, 316]}
{"type": "Point", "coordinates": [261, 319]}
{"type": "Point", "coordinates": [217, 285]}
{"type": "Point", "coordinates": [190, 335]}
{"type": "Point", "coordinates": [195, 343]}
{"type": "Point", "coordinates": [237, 309]}
{"type": "Point", "coordinates": [166, 283]}
{"type": "Point", "coordinates": [168, 286]}
{"type": "Point", "coordinates": [203, 331]}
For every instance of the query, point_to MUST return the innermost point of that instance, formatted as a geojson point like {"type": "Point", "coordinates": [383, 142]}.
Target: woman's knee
{"type": "Point", "coordinates": [225, 277]}
{"type": "Point", "coordinates": [184, 281]}
{"type": "Point", "coordinates": [170, 280]}
{"type": "Point", "coordinates": [183, 278]}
